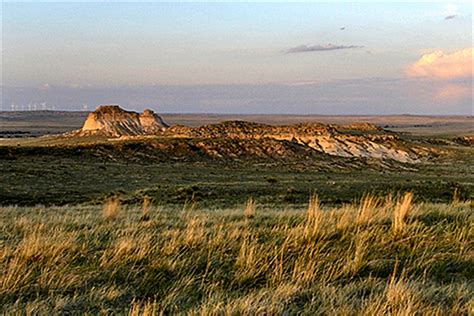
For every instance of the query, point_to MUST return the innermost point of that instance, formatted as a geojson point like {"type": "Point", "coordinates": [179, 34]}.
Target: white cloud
{"type": "Point", "coordinates": [444, 66]}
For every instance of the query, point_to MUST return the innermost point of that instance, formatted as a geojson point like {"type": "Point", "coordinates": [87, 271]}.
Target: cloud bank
{"type": "Point", "coordinates": [318, 48]}
{"type": "Point", "coordinates": [443, 66]}
{"type": "Point", "coordinates": [448, 75]}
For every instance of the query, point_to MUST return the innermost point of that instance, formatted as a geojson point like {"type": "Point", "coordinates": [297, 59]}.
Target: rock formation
{"type": "Point", "coordinates": [113, 121]}
{"type": "Point", "coordinates": [356, 140]}
{"type": "Point", "coordinates": [233, 138]}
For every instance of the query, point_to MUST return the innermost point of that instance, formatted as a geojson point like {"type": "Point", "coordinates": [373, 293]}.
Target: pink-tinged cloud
{"type": "Point", "coordinates": [440, 65]}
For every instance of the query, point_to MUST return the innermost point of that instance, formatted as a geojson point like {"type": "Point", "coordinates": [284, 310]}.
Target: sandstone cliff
{"type": "Point", "coordinates": [228, 139]}
{"type": "Point", "coordinates": [111, 120]}
{"type": "Point", "coordinates": [357, 140]}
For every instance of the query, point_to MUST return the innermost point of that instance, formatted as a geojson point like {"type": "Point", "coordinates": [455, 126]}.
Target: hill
{"type": "Point", "coordinates": [361, 140]}
{"type": "Point", "coordinates": [225, 162]}
{"type": "Point", "coordinates": [113, 121]}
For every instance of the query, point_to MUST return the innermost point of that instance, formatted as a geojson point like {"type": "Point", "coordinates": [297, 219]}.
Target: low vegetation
{"type": "Point", "coordinates": [53, 177]}
{"type": "Point", "coordinates": [377, 256]}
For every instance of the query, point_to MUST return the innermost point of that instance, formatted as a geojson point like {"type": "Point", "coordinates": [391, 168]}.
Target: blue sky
{"type": "Point", "coordinates": [48, 48]}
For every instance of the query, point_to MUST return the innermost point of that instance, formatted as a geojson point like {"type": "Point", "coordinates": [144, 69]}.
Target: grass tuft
{"type": "Point", "coordinates": [250, 208]}
{"type": "Point", "coordinates": [145, 209]}
{"type": "Point", "coordinates": [111, 208]}
{"type": "Point", "coordinates": [401, 212]}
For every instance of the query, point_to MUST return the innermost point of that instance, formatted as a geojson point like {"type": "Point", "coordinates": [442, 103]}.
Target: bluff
{"type": "Point", "coordinates": [357, 140]}
{"type": "Point", "coordinates": [113, 121]}
{"type": "Point", "coordinates": [234, 139]}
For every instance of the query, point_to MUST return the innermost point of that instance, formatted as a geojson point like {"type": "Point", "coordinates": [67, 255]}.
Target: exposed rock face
{"type": "Point", "coordinates": [111, 120]}
{"type": "Point", "coordinates": [236, 138]}
{"type": "Point", "coordinates": [357, 140]}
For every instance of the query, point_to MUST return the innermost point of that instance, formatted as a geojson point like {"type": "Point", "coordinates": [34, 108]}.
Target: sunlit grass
{"type": "Point", "coordinates": [378, 256]}
{"type": "Point", "coordinates": [111, 208]}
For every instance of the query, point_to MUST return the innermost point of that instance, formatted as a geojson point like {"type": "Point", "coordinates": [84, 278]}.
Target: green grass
{"type": "Point", "coordinates": [382, 256]}
{"type": "Point", "coordinates": [59, 171]}
{"type": "Point", "coordinates": [55, 176]}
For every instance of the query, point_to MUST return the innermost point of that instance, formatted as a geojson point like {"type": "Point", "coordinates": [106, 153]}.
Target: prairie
{"type": "Point", "coordinates": [204, 158]}
{"type": "Point", "coordinates": [63, 175]}
{"type": "Point", "coordinates": [159, 225]}
{"type": "Point", "coordinates": [221, 172]}
{"type": "Point", "coordinates": [385, 255]}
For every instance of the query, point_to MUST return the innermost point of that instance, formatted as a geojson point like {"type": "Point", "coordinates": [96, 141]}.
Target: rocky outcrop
{"type": "Point", "coordinates": [357, 140]}
{"type": "Point", "coordinates": [464, 140]}
{"type": "Point", "coordinates": [113, 121]}
{"type": "Point", "coordinates": [348, 141]}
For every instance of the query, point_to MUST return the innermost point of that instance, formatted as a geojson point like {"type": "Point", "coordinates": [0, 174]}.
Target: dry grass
{"type": "Point", "coordinates": [314, 212]}
{"type": "Point", "coordinates": [380, 256]}
{"type": "Point", "coordinates": [456, 196]}
{"type": "Point", "coordinates": [367, 209]}
{"type": "Point", "coordinates": [314, 217]}
{"type": "Point", "coordinates": [401, 212]}
{"type": "Point", "coordinates": [146, 209]}
{"type": "Point", "coordinates": [111, 208]}
{"type": "Point", "coordinates": [249, 210]}
{"type": "Point", "coordinates": [147, 308]}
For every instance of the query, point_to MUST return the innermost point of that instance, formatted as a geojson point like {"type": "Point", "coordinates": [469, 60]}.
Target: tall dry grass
{"type": "Point", "coordinates": [147, 308]}
{"type": "Point", "coordinates": [401, 212]}
{"type": "Point", "coordinates": [314, 217]}
{"type": "Point", "coordinates": [250, 208]}
{"type": "Point", "coordinates": [318, 260]}
{"type": "Point", "coordinates": [367, 209]}
{"type": "Point", "coordinates": [111, 208]}
{"type": "Point", "coordinates": [146, 209]}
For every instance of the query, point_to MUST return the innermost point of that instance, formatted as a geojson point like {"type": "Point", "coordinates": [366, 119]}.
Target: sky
{"type": "Point", "coordinates": [290, 58]}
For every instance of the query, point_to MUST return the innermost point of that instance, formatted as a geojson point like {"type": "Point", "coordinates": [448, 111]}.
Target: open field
{"type": "Point", "coordinates": [226, 158]}
{"type": "Point", "coordinates": [157, 225]}
{"type": "Point", "coordinates": [382, 256]}
{"type": "Point", "coordinates": [70, 174]}
{"type": "Point", "coordinates": [58, 170]}
{"type": "Point", "coordinates": [36, 123]}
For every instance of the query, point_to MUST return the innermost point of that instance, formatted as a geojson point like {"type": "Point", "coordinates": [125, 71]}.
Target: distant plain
{"type": "Point", "coordinates": [36, 123]}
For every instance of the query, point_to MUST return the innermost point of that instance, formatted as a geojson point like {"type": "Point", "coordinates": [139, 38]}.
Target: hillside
{"type": "Point", "coordinates": [222, 163]}
{"type": "Point", "coordinates": [113, 121]}
{"type": "Point", "coordinates": [357, 140]}
{"type": "Point", "coordinates": [236, 139]}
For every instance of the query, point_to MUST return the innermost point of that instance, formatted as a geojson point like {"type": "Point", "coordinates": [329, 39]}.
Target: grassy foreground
{"type": "Point", "coordinates": [378, 257]}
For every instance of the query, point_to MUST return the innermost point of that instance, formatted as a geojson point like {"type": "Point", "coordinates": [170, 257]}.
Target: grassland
{"type": "Point", "coordinates": [379, 256]}
{"type": "Point", "coordinates": [110, 227]}
{"type": "Point", "coordinates": [51, 177]}
{"type": "Point", "coordinates": [52, 171]}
